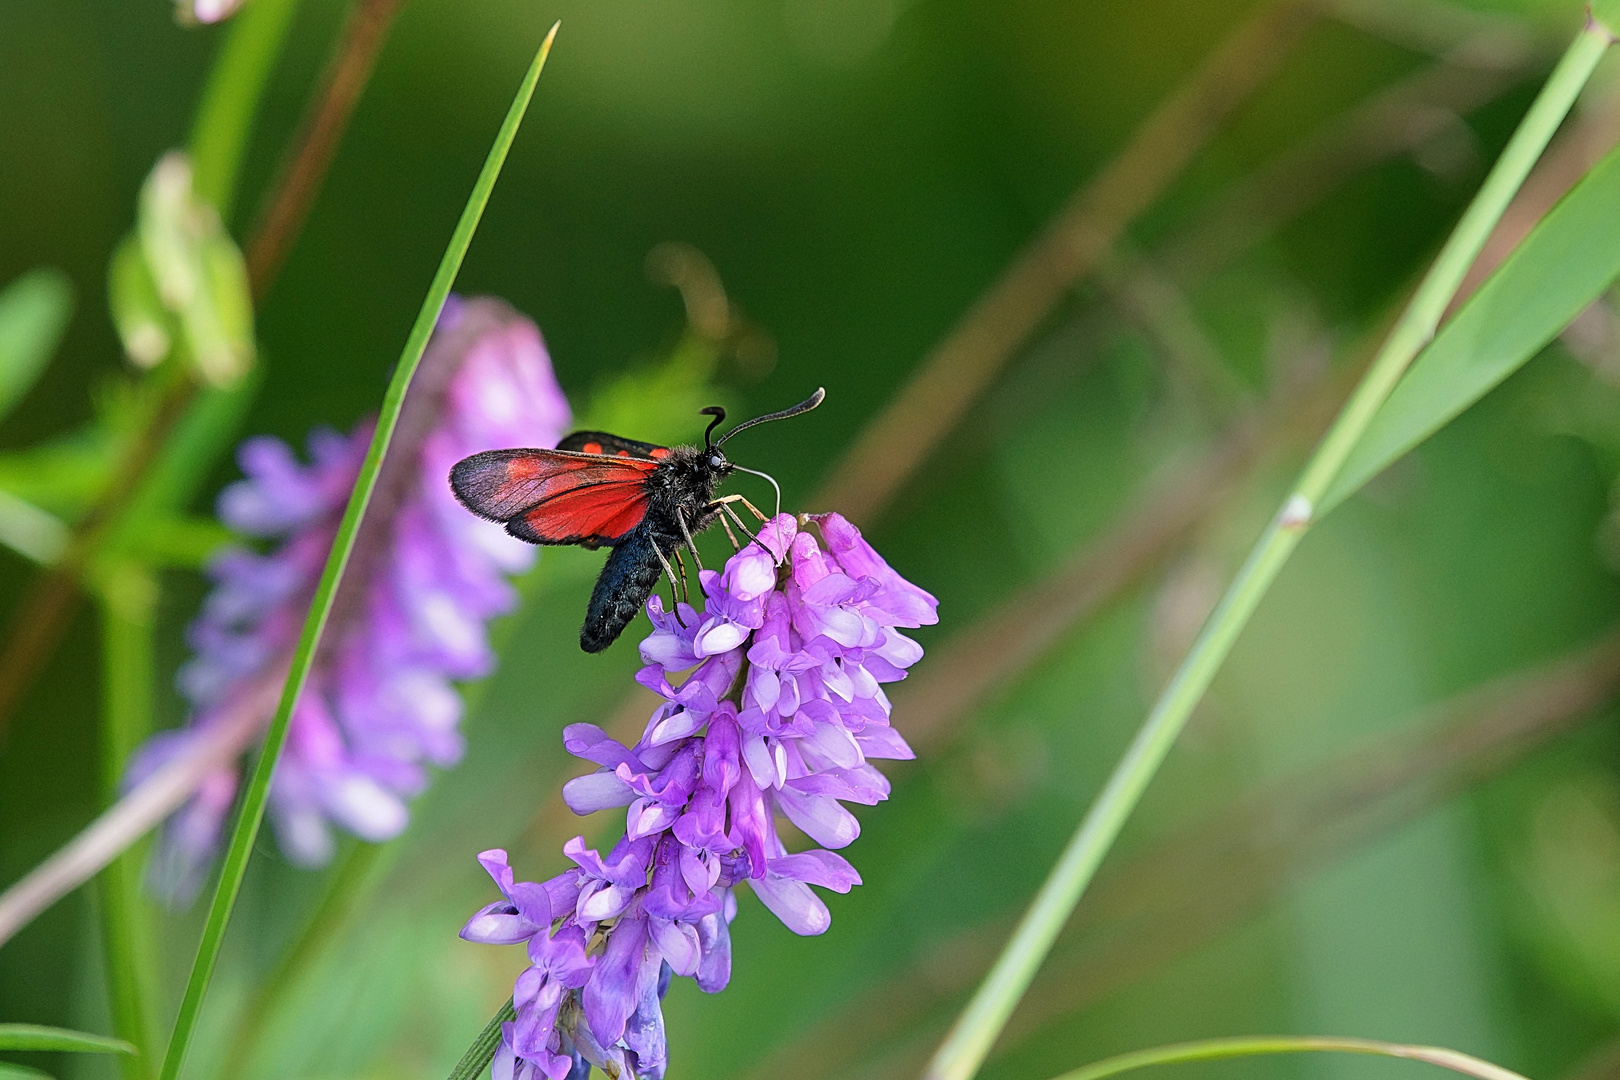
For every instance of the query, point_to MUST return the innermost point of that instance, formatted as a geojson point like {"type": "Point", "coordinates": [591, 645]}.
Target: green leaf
{"type": "Point", "coordinates": [40, 1037]}
{"type": "Point", "coordinates": [34, 312]}
{"type": "Point", "coordinates": [1562, 266]}
{"type": "Point", "coordinates": [180, 542]}
{"type": "Point", "coordinates": [257, 793]}
{"type": "Point", "coordinates": [64, 475]}
{"type": "Point", "coordinates": [31, 532]}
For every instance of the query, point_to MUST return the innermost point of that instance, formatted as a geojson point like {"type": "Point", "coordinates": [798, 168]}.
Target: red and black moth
{"type": "Point", "coordinates": [645, 502]}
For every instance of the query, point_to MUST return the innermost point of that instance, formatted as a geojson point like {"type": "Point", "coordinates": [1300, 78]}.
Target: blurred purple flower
{"type": "Point", "coordinates": [780, 714]}
{"type": "Point", "coordinates": [208, 11]}
{"type": "Point", "coordinates": [408, 621]}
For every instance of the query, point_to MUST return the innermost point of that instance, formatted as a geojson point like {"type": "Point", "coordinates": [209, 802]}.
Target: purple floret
{"type": "Point", "coordinates": [380, 709]}
{"type": "Point", "coordinates": [772, 709]}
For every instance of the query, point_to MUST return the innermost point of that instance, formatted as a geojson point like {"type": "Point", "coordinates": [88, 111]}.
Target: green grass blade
{"type": "Point", "coordinates": [34, 312]}
{"type": "Point", "coordinates": [128, 627]}
{"type": "Point", "coordinates": [1250, 1046]}
{"type": "Point", "coordinates": [40, 1037]}
{"type": "Point", "coordinates": [1562, 266]}
{"type": "Point", "coordinates": [251, 815]}
{"type": "Point", "coordinates": [986, 1014]}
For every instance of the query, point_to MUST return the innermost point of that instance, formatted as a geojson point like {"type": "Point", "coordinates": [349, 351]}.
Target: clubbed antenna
{"type": "Point", "coordinates": [802, 407]}
{"type": "Point", "coordinates": [719, 415]}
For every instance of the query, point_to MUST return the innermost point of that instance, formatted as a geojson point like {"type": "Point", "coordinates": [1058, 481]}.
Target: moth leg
{"type": "Point", "coordinates": [680, 519]}
{"type": "Point", "coordinates": [726, 525]}
{"type": "Point", "coordinates": [725, 509]}
{"type": "Point", "coordinates": [669, 573]}
{"type": "Point", "coordinates": [739, 498]}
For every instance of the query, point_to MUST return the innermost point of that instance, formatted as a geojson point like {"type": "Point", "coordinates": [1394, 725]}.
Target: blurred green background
{"type": "Point", "coordinates": [858, 171]}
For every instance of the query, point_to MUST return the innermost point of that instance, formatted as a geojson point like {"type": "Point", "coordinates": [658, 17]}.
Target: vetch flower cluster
{"type": "Point", "coordinates": [779, 713]}
{"type": "Point", "coordinates": [408, 621]}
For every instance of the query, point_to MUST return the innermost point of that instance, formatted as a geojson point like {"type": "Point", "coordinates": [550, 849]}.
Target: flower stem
{"type": "Point", "coordinates": [231, 99]}
{"type": "Point", "coordinates": [257, 793]}
{"type": "Point", "coordinates": [981, 1022]}
{"type": "Point", "coordinates": [482, 1051]}
{"type": "Point", "coordinates": [129, 597]}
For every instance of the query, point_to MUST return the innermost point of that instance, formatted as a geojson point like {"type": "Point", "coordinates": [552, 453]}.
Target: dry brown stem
{"type": "Point", "coordinates": [319, 134]}
{"type": "Point", "coordinates": [952, 377]}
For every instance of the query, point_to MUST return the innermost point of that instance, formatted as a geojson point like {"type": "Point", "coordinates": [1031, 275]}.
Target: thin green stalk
{"type": "Point", "coordinates": [360, 872]}
{"type": "Point", "coordinates": [482, 1051]}
{"type": "Point", "coordinates": [129, 596]}
{"type": "Point", "coordinates": [981, 1022]}
{"type": "Point", "coordinates": [1252, 1045]}
{"type": "Point", "coordinates": [251, 815]}
{"type": "Point", "coordinates": [231, 98]}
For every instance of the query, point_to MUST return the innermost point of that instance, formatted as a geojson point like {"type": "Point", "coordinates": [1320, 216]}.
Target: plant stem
{"type": "Point", "coordinates": [231, 99]}
{"type": "Point", "coordinates": [129, 597]}
{"type": "Point", "coordinates": [1252, 1045]}
{"type": "Point", "coordinates": [482, 1051]}
{"type": "Point", "coordinates": [977, 1028]}
{"type": "Point", "coordinates": [319, 134]}
{"type": "Point", "coordinates": [257, 793]}
{"type": "Point", "coordinates": [951, 378]}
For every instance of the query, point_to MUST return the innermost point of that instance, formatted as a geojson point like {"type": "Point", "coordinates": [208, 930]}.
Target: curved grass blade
{"type": "Point", "coordinates": [8, 1071]}
{"type": "Point", "coordinates": [1252, 1045]}
{"type": "Point", "coordinates": [986, 1014]}
{"type": "Point", "coordinates": [251, 815]}
{"type": "Point", "coordinates": [40, 1037]}
{"type": "Point", "coordinates": [1563, 265]}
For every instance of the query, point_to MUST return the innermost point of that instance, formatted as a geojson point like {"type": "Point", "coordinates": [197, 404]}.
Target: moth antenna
{"type": "Point", "coordinates": [802, 407]}
{"type": "Point", "coordinates": [719, 415]}
{"type": "Point", "coordinates": [769, 477]}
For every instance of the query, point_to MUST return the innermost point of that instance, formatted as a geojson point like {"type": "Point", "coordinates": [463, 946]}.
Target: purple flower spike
{"type": "Point", "coordinates": [380, 709]}
{"type": "Point", "coordinates": [773, 708]}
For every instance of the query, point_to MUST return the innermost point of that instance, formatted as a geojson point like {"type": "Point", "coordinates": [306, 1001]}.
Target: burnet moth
{"type": "Point", "coordinates": [645, 502]}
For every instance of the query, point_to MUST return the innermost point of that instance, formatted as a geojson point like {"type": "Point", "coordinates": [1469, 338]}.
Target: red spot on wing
{"type": "Point", "coordinates": [658, 452]}
{"type": "Point", "coordinates": [591, 448]}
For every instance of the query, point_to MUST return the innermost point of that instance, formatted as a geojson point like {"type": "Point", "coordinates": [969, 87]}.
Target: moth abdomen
{"type": "Point", "coordinates": [627, 579]}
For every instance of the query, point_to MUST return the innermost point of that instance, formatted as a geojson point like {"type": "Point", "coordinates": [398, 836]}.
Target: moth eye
{"type": "Point", "coordinates": [715, 461]}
